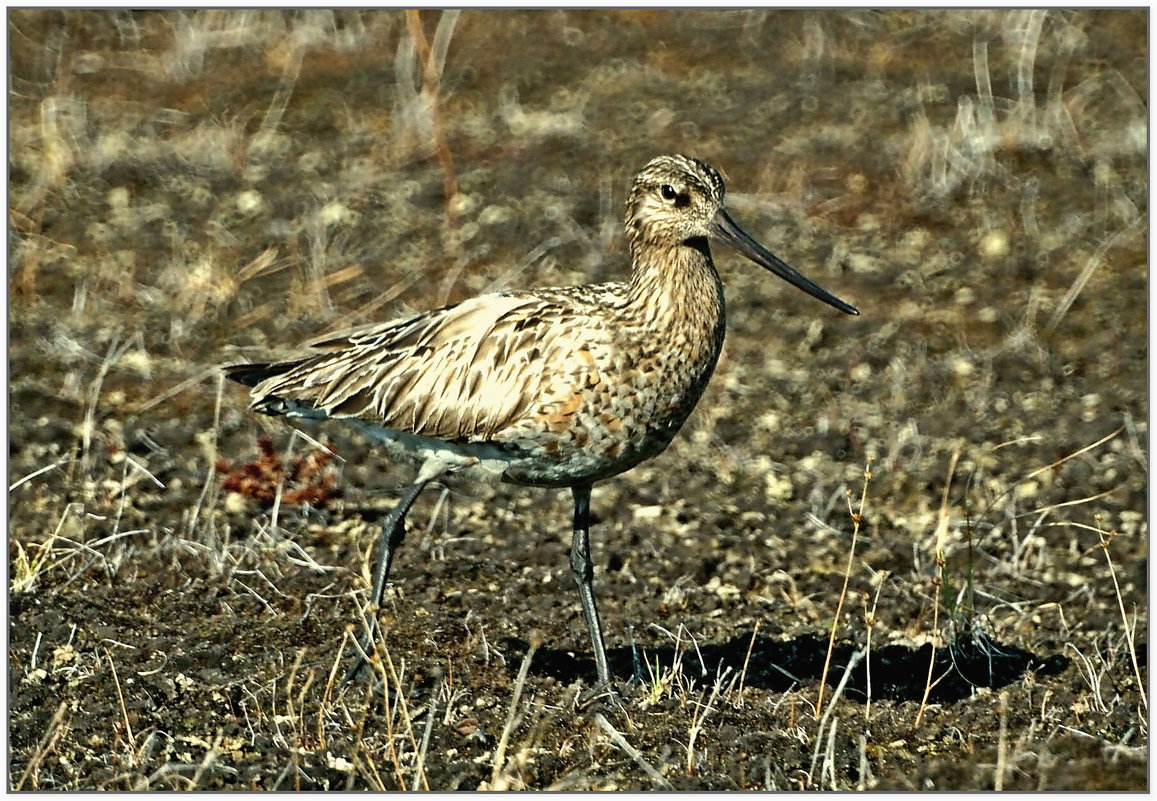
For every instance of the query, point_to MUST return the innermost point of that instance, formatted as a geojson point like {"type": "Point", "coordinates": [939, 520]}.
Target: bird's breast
{"type": "Point", "coordinates": [620, 398]}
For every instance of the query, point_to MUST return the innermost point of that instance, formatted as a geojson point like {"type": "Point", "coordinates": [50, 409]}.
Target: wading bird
{"type": "Point", "coordinates": [556, 387]}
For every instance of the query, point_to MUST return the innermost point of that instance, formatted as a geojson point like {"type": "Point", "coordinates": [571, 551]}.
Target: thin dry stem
{"type": "Point", "coordinates": [630, 751]}
{"type": "Point", "coordinates": [938, 581]}
{"type": "Point", "coordinates": [40, 472]}
{"type": "Point", "coordinates": [1073, 455]}
{"type": "Point", "coordinates": [1106, 539]}
{"type": "Point", "coordinates": [870, 624]}
{"type": "Point", "coordinates": [1094, 262]}
{"type": "Point", "coordinates": [116, 350]}
{"type": "Point", "coordinates": [210, 757]}
{"type": "Point", "coordinates": [697, 720]}
{"type": "Point", "coordinates": [747, 659]}
{"type": "Point", "coordinates": [211, 473]}
{"type": "Point", "coordinates": [1001, 743]}
{"type": "Point", "coordinates": [857, 517]}
{"type": "Point", "coordinates": [431, 85]}
{"type": "Point", "coordinates": [175, 390]}
{"type": "Point", "coordinates": [855, 660]}
{"type": "Point", "coordinates": [865, 779]}
{"type": "Point", "coordinates": [406, 718]}
{"type": "Point", "coordinates": [519, 683]}
{"type": "Point", "coordinates": [420, 772]}
{"type": "Point", "coordinates": [47, 742]}
{"type": "Point", "coordinates": [124, 710]}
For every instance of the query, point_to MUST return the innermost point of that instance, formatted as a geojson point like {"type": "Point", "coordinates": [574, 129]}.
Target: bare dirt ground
{"type": "Point", "coordinates": [193, 188]}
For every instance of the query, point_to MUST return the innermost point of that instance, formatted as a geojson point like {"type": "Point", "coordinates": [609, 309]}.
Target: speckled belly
{"type": "Point", "coordinates": [607, 428]}
{"type": "Point", "coordinates": [556, 460]}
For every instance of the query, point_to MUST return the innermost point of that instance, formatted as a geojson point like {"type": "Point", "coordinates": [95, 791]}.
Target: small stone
{"type": "Point", "coordinates": [994, 245]}
{"type": "Point", "coordinates": [648, 512]}
{"type": "Point", "coordinates": [249, 201]}
{"type": "Point", "coordinates": [963, 367]}
{"type": "Point", "coordinates": [118, 198]}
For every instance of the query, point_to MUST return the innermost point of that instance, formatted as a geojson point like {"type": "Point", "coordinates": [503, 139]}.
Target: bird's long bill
{"type": "Point", "coordinates": [725, 229]}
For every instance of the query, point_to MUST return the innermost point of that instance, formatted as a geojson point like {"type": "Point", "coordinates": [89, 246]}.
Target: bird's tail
{"type": "Point", "coordinates": [253, 374]}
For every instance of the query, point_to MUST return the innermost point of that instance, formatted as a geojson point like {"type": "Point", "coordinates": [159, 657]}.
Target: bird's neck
{"type": "Point", "coordinates": [676, 285]}
{"type": "Point", "coordinates": [675, 317]}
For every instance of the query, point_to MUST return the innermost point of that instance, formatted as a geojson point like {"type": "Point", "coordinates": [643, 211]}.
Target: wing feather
{"type": "Point", "coordinates": [460, 372]}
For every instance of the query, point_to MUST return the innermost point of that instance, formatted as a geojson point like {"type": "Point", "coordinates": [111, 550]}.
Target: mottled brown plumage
{"type": "Point", "coordinates": [550, 387]}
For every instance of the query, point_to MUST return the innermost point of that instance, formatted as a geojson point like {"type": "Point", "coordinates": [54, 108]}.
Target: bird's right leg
{"type": "Point", "coordinates": [393, 532]}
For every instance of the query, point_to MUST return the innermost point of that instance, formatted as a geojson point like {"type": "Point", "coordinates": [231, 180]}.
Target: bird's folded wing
{"type": "Point", "coordinates": [463, 372]}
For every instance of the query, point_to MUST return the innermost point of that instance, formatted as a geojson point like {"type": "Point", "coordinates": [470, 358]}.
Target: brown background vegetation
{"type": "Point", "coordinates": [193, 188]}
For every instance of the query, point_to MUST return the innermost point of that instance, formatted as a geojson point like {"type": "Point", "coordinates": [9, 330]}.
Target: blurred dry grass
{"type": "Point", "coordinates": [190, 186]}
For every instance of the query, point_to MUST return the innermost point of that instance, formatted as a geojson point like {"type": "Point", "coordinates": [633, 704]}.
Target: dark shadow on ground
{"type": "Point", "coordinates": [897, 672]}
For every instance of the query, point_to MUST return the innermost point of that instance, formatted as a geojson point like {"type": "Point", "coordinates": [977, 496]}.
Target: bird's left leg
{"type": "Point", "coordinates": [583, 570]}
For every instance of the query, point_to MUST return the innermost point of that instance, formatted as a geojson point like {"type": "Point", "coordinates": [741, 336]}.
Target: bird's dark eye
{"type": "Point", "coordinates": [668, 192]}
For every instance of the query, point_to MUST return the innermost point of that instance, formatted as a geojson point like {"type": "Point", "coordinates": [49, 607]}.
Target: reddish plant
{"type": "Point", "coordinates": [308, 479]}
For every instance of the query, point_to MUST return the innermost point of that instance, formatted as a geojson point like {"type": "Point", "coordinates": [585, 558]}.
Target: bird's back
{"type": "Point", "coordinates": [463, 372]}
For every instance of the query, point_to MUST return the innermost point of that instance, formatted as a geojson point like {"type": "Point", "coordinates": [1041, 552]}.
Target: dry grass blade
{"type": "Point", "coordinates": [1076, 502]}
{"type": "Point", "coordinates": [124, 711]}
{"type": "Point", "coordinates": [46, 469]}
{"type": "Point", "coordinates": [1094, 262]}
{"type": "Point", "coordinates": [938, 580]}
{"type": "Point", "coordinates": [630, 751]}
{"type": "Point", "coordinates": [400, 704]}
{"type": "Point", "coordinates": [47, 742]}
{"type": "Point", "coordinates": [1073, 455]}
{"type": "Point", "coordinates": [116, 350]}
{"type": "Point", "coordinates": [857, 517]}
{"type": "Point", "coordinates": [699, 717]}
{"type": "Point", "coordinates": [870, 625]}
{"type": "Point", "coordinates": [855, 659]}
{"type": "Point", "coordinates": [26, 570]}
{"type": "Point", "coordinates": [211, 473]}
{"type": "Point", "coordinates": [747, 659]}
{"type": "Point", "coordinates": [1105, 540]}
{"type": "Point", "coordinates": [420, 771]}
{"type": "Point", "coordinates": [1092, 678]}
{"type": "Point", "coordinates": [331, 679]}
{"type": "Point", "coordinates": [207, 762]}
{"type": "Point", "coordinates": [432, 61]}
{"type": "Point", "coordinates": [865, 779]}
{"type": "Point", "coordinates": [511, 714]}
{"type": "Point", "coordinates": [1001, 744]}
{"type": "Point", "coordinates": [188, 383]}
